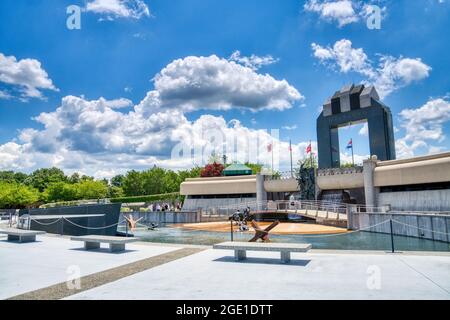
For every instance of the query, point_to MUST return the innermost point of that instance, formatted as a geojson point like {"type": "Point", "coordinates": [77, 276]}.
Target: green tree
{"type": "Point", "coordinates": [117, 180]}
{"type": "Point", "coordinates": [74, 178]}
{"type": "Point", "coordinates": [308, 162]}
{"type": "Point", "coordinates": [133, 184]}
{"type": "Point", "coordinates": [42, 178]}
{"type": "Point", "coordinates": [171, 182]}
{"type": "Point", "coordinates": [256, 167]}
{"type": "Point", "coordinates": [115, 192]}
{"type": "Point", "coordinates": [7, 176]}
{"type": "Point", "coordinates": [61, 191]}
{"type": "Point", "coordinates": [154, 181]}
{"type": "Point", "coordinates": [20, 177]}
{"type": "Point", "coordinates": [347, 165]}
{"type": "Point", "coordinates": [91, 190]}
{"type": "Point", "coordinates": [16, 196]}
{"type": "Point", "coordinates": [86, 178]}
{"type": "Point", "coordinates": [11, 176]}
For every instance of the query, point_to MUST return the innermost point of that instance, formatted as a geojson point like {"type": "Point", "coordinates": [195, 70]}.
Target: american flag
{"type": "Point", "coordinates": [350, 144]}
{"type": "Point", "coordinates": [309, 149]}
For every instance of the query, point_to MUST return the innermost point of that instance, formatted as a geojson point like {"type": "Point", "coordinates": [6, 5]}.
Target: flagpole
{"type": "Point", "coordinates": [353, 157]}
{"type": "Point", "coordinates": [290, 149]}
{"type": "Point", "coordinates": [310, 153]}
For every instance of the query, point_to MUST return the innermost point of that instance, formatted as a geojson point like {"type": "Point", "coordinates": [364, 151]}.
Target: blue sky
{"type": "Point", "coordinates": [301, 46]}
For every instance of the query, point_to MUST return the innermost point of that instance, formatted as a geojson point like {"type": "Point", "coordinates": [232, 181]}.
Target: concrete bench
{"type": "Point", "coordinates": [115, 243]}
{"type": "Point", "coordinates": [21, 235]}
{"type": "Point", "coordinates": [241, 248]}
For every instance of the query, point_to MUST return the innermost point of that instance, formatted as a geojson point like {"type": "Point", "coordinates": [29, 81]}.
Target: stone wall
{"type": "Point", "coordinates": [426, 226]}
{"type": "Point", "coordinates": [429, 200]}
{"type": "Point", "coordinates": [105, 223]}
{"type": "Point", "coordinates": [222, 205]}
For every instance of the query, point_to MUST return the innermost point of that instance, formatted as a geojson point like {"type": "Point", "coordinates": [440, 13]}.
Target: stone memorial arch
{"type": "Point", "coordinates": [351, 105]}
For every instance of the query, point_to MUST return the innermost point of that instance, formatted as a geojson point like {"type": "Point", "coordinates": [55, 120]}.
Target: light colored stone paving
{"type": "Point", "coordinates": [62, 290]}
{"type": "Point", "coordinates": [26, 267]}
{"type": "Point", "coordinates": [213, 274]}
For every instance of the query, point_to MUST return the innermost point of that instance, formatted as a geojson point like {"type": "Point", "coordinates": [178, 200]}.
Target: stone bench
{"type": "Point", "coordinates": [93, 242]}
{"type": "Point", "coordinates": [285, 249]}
{"type": "Point", "coordinates": [21, 235]}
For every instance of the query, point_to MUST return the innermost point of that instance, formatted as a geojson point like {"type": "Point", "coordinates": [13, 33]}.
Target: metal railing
{"type": "Point", "coordinates": [388, 210]}
{"type": "Point", "coordinates": [339, 171]}
{"type": "Point", "coordinates": [284, 175]}
{"type": "Point", "coordinates": [339, 210]}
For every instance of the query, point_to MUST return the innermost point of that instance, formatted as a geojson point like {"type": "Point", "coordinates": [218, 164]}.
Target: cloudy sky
{"type": "Point", "coordinates": [143, 80]}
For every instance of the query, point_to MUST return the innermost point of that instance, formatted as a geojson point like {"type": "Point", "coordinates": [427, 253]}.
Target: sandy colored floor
{"type": "Point", "coordinates": [282, 228]}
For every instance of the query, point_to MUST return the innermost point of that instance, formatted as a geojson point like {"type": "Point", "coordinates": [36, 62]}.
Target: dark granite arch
{"type": "Point", "coordinates": [353, 104]}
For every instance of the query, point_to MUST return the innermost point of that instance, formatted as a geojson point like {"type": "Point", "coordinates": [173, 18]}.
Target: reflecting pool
{"type": "Point", "coordinates": [348, 241]}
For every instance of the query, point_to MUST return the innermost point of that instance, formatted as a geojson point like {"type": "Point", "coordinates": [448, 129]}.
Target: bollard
{"type": "Point", "coordinates": [231, 230]}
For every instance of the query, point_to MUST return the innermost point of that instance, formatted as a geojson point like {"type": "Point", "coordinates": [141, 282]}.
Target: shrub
{"type": "Point", "coordinates": [212, 170]}
{"type": "Point", "coordinates": [150, 198]}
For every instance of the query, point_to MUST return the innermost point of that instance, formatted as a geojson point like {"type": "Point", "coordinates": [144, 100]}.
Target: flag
{"type": "Point", "coordinates": [350, 144]}
{"type": "Point", "coordinates": [309, 149]}
{"type": "Point", "coordinates": [269, 148]}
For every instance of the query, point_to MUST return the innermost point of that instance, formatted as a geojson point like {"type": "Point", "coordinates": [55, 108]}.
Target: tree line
{"type": "Point", "coordinates": [21, 190]}
{"type": "Point", "coordinates": [48, 185]}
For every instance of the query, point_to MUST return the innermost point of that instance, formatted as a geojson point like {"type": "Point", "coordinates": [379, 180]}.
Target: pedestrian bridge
{"type": "Point", "coordinates": [322, 212]}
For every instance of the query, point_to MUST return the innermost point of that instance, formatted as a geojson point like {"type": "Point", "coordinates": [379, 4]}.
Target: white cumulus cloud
{"type": "Point", "coordinates": [111, 9]}
{"type": "Point", "coordinates": [423, 125]}
{"type": "Point", "coordinates": [214, 83]}
{"type": "Point", "coordinates": [27, 75]}
{"type": "Point", "coordinates": [364, 131]}
{"type": "Point", "coordinates": [344, 12]}
{"type": "Point", "coordinates": [341, 11]}
{"type": "Point", "coordinates": [388, 75]}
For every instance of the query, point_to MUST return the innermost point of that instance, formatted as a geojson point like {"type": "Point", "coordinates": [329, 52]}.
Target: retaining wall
{"type": "Point", "coordinates": [166, 217]}
{"type": "Point", "coordinates": [425, 226]}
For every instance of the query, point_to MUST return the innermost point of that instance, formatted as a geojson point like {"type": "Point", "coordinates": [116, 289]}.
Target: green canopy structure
{"type": "Point", "coordinates": [237, 169]}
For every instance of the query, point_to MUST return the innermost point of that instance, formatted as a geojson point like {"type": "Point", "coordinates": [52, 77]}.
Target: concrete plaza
{"type": "Point", "coordinates": [213, 274]}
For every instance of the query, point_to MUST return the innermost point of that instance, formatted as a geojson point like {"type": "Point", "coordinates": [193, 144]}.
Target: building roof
{"type": "Point", "coordinates": [237, 169]}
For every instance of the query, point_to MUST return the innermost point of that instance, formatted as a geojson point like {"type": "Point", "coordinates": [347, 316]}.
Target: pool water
{"type": "Point", "coordinates": [350, 241]}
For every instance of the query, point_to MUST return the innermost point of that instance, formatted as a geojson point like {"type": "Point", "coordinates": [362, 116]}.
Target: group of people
{"type": "Point", "coordinates": [241, 219]}
{"type": "Point", "coordinates": [170, 207]}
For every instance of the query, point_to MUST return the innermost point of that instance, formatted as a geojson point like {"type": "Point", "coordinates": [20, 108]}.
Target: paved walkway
{"type": "Point", "coordinates": [61, 290]}
{"type": "Point", "coordinates": [213, 274]}
{"type": "Point", "coordinates": [156, 271]}
{"type": "Point", "coordinates": [26, 267]}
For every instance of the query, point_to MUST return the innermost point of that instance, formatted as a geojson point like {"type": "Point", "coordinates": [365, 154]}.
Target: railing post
{"type": "Point", "coordinates": [231, 230]}
{"type": "Point", "coordinates": [392, 236]}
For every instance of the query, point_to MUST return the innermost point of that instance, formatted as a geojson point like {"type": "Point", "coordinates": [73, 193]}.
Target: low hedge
{"type": "Point", "coordinates": [150, 198]}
